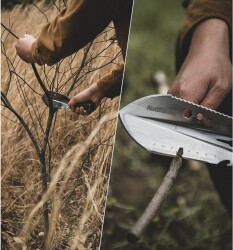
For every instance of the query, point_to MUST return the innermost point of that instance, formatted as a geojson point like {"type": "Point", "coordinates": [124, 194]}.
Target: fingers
{"type": "Point", "coordinates": [81, 111]}
{"type": "Point", "coordinates": [83, 96]}
{"type": "Point", "coordinates": [215, 95]}
{"type": "Point", "coordinates": [78, 110]}
{"type": "Point", "coordinates": [190, 91]}
{"type": "Point", "coordinates": [23, 48]}
{"type": "Point", "coordinates": [86, 95]}
{"type": "Point", "coordinates": [71, 104]}
{"type": "Point", "coordinates": [209, 94]}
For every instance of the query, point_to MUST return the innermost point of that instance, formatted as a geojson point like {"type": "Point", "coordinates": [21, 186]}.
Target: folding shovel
{"type": "Point", "coordinates": [158, 124]}
{"type": "Point", "coordinates": [60, 101]}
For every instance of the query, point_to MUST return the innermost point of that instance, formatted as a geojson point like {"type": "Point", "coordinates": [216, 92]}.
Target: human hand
{"type": "Point", "coordinates": [206, 75]}
{"type": "Point", "coordinates": [23, 48]}
{"type": "Point", "coordinates": [90, 94]}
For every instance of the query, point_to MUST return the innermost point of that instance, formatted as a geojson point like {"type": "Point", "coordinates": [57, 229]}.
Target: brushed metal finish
{"type": "Point", "coordinates": [59, 105]}
{"type": "Point", "coordinates": [157, 124]}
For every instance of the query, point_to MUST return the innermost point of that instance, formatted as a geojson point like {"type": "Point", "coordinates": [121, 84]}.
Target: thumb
{"type": "Point", "coordinates": [72, 103]}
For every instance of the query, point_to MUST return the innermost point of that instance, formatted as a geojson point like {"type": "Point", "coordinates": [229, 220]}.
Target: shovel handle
{"type": "Point", "coordinates": [88, 106]}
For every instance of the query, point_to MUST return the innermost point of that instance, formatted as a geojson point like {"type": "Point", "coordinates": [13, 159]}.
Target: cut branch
{"type": "Point", "coordinates": [161, 194]}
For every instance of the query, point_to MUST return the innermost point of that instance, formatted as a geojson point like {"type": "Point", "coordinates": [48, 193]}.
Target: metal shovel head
{"type": "Point", "coordinates": [160, 131]}
{"type": "Point", "coordinates": [58, 100]}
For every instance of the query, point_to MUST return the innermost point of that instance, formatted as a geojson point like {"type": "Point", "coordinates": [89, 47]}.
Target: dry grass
{"type": "Point", "coordinates": [80, 147]}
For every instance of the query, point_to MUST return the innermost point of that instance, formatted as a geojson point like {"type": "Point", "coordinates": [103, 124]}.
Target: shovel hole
{"type": "Point", "coordinates": [187, 113]}
{"type": "Point", "coordinates": [200, 116]}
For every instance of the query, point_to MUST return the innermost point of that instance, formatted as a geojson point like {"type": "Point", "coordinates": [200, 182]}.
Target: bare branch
{"type": "Point", "coordinates": [42, 86]}
{"type": "Point", "coordinates": [9, 31]}
{"type": "Point", "coordinates": [35, 72]}
{"type": "Point", "coordinates": [41, 11]}
{"type": "Point", "coordinates": [42, 122]}
{"type": "Point", "coordinates": [80, 68]}
{"type": "Point", "coordinates": [169, 180]}
{"type": "Point", "coordinates": [9, 106]}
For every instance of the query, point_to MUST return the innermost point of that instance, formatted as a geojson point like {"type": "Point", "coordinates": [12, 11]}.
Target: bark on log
{"type": "Point", "coordinates": [161, 194]}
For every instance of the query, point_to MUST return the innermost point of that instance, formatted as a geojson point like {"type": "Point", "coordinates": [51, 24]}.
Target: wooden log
{"type": "Point", "coordinates": [161, 194]}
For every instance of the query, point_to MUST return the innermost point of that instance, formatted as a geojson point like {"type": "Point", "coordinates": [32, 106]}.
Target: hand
{"type": "Point", "coordinates": [205, 76]}
{"type": "Point", "coordinates": [90, 94]}
{"type": "Point", "coordinates": [23, 48]}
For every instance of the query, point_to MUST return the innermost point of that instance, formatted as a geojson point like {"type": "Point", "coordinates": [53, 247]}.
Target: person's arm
{"type": "Point", "coordinates": [205, 76]}
{"type": "Point", "coordinates": [108, 86]}
{"type": "Point", "coordinates": [71, 30]}
{"type": "Point", "coordinates": [197, 11]}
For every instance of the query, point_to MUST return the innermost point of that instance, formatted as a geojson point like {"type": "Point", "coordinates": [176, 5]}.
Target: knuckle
{"type": "Point", "coordinates": [212, 106]}
{"type": "Point", "coordinates": [75, 99]}
{"type": "Point", "coordinates": [222, 88]}
{"type": "Point", "coordinates": [179, 87]}
{"type": "Point", "coordinates": [174, 90]}
{"type": "Point", "coordinates": [70, 103]}
{"type": "Point", "coordinates": [183, 90]}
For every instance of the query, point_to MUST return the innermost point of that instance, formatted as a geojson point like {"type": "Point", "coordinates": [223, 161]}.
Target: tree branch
{"type": "Point", "coordinates": [161, 194]}
{"type": "Point", "coordinates": [8, 106]}
{"type": "Point", "coordinates": [80, 68]}
{"type": "Point", "coordinates": [35, 72]}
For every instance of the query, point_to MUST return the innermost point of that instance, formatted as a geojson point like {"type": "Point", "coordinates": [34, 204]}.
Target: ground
{"type": "Point", "coordinates": [192, 217]}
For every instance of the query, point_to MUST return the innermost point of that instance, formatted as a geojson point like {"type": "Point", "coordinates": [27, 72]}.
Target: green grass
{"type": "Point", "coordinates": [154, 29]}
{"type": "Point", "coordinates": [192, 217]}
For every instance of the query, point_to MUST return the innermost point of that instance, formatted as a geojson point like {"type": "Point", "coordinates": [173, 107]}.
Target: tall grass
{"type": "Point", "coordinates": [80, 148]}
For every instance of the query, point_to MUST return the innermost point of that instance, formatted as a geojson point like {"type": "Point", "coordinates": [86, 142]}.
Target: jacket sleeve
{"type": "Point", "coordinates": [110, 84]}
{"type": "Point", "coordinates": [72, 29]}
{"type": "Point", "coordinates": [198, 11]}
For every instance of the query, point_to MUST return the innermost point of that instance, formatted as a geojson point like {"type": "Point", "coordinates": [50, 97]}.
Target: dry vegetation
{"type": "Point", "coordinates": [78, 155]}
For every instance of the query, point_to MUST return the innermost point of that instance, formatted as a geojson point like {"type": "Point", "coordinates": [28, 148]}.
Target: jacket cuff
{"type": "Point", "coordinates": [41, 55]}
{"type": "Point", "coordinates": [110, 84]}
{"type": "Point", "coordinates": [200, 10]}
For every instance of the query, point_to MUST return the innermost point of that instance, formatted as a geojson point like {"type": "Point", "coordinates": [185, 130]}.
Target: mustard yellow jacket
{"type": "Point", "coordinates": [76, 26]}
{"type": "Point", "coordinates": [198, 11]}
{"type": "Point", "coordinates": [82, 20]}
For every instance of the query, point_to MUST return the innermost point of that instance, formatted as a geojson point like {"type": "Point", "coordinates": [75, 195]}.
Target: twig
{"type": "Point", "coordinates": [9, 31]}
{"type": "Point", "coordinates": [40, 152]}
{"type": "Point", "coordinates": [35, 72]}
{"type": "Point", "coordinates": [46, 91]}
{"type": "Point", "coordinates": [41, 12]}
{"type": "Point", "coordinates": [9, 106]}
{"type": "Point", "coordinates": [80, 68]}
{"type": "Point", "coordinates": [169, 180]}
